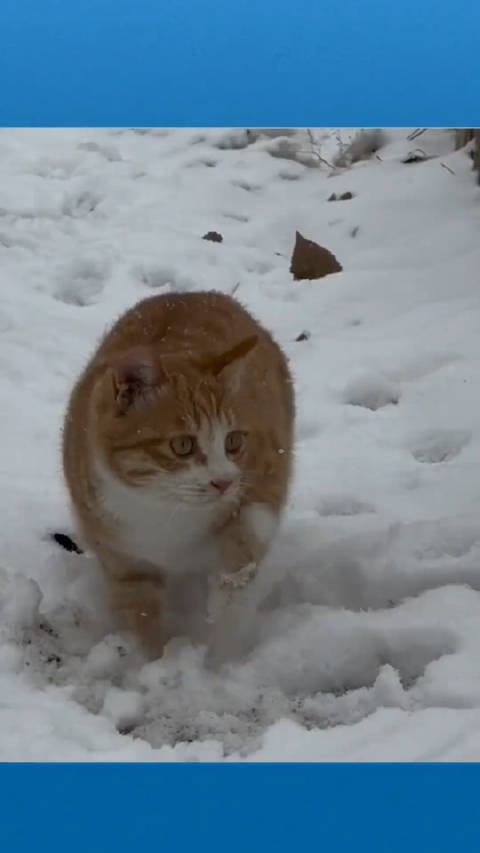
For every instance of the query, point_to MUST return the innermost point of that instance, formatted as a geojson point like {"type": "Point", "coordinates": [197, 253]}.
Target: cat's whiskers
{"type": "Point", "coordinates": [203, 494]}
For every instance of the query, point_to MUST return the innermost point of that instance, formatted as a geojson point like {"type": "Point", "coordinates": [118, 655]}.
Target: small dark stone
{"type": "Point", "coordinates": [213, 236]}
{"type": "Point", "coordinates": [44, 626]}
{"type": "Point", "coordinates": [64, 540]}
{"type": "Point", "coordinates": [418, 155]}
{"type": "Point", "coordinates": [342, 197]}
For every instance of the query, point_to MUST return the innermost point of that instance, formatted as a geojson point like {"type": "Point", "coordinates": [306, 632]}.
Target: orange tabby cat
{"type": "Point", "coordinates": [178, 451]}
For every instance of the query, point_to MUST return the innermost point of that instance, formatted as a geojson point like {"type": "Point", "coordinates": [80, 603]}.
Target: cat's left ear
{"type": "Point", "coordinates": [136, 376]}
{"type": "Point", "coordinates": [218, 363]}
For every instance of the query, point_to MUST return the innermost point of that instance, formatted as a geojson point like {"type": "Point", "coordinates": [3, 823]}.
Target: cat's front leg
{"type": "Point", "coordinates": [225, 589]}
{"type": "Point", "coordinates": [138, 604]}
{"type": "Point", "coordinates": [244, 541]}
{"type": "Point", "coordinates": [137, 595]}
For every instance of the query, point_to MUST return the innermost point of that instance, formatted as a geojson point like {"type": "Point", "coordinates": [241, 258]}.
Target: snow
{"type": "Point", "coordinates": [363, 633]}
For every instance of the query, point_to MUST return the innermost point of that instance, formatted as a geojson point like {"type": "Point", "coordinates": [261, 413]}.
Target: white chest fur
{"type": "Point", "coordinates": [177, 538]}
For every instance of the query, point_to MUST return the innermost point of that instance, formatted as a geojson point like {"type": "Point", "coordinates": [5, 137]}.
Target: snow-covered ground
{"type": "Point", "coordinates": [366, 641]}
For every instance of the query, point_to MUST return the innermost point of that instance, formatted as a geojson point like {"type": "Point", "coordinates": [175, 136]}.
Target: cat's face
{"type": "Point", "coordinates": [177, 432]}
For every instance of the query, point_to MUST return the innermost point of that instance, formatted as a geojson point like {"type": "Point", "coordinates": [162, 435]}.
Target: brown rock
{"type": "Point", "coordinates": [214, 236]}
{"type": "Point", "coordinates": [309, 260]}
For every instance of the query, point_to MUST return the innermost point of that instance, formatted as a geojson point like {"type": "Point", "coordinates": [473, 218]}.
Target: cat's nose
{"type": "Point", "coordinates": [221, 484]}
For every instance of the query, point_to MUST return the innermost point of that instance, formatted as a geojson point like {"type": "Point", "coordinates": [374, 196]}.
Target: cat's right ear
{"type": "Point", "coordinates": [136, 377]}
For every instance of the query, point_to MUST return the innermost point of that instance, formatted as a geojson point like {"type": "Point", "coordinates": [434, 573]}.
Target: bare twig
{"type": "Point", "coordinates": [342, 146]}
{"type": "Point", "coordinates": [314, 150]}
{"type": "Point", "coordinates": [319, 157]}
{"type": "Point", "coordinates": [235, 289]}
{"type": "Point", "coordinates": [447, 168]}
{"type": "Point", "coordinates": [417, 132]}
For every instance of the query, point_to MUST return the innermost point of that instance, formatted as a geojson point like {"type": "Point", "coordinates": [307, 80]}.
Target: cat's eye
{"type": "Point", "coordinates": [234, 441]}
{"type": "Point", "coordinates": [183, 445]}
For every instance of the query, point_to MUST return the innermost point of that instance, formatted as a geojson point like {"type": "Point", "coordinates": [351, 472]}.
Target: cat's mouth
{"type": "Point", "coordinates": [209, 495]}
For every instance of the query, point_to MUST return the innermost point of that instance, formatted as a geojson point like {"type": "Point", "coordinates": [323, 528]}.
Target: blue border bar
{"type": "Point", "coordinates": [239, 807]}
{"type": "Point", "coordinates": [244, 63]}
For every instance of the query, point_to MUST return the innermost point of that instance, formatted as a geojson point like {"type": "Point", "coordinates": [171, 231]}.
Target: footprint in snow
{"type": "Point", "coordinates": [437, 446]}
{"type": "Point", "coordinates": [248, 186]}
{"type": "Point", "coordinates": [81, 204]}
{"type": "Point", "coordinates": [81, 282]}
{"type": "Point", "coordinates": [260, 267]}
{"type": "Point", "coordinates": [157, 276]}
{"type": "Point", "coordinates": [343, 505]}
{"type": "Point", "coordinates": [107, 151]}
{"type": "Point", "coordinates": [370, 391]}
{"type": "Point", "coordinates": [205, 161]}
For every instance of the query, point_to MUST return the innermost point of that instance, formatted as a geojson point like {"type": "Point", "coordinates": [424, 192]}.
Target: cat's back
{"type": "Point", "coordinates": [197, 320]}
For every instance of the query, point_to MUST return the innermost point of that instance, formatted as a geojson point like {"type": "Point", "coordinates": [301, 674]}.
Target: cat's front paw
{"type": "Point", "coordinates": [240, 578]}
{"type": "Point", "coordinates": [223, 588]}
